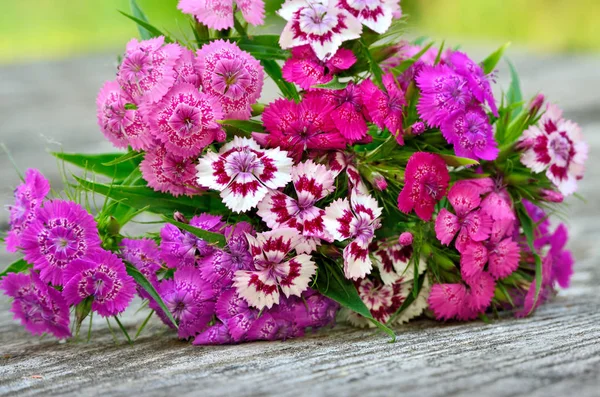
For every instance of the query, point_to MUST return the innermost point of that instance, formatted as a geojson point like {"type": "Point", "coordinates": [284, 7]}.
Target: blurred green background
{"type": "Point", "coordinates": [47, 29]}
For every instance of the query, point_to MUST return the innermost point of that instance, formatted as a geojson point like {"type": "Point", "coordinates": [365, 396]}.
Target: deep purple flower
{"type": "Point", "coordinates": [61, 232]}
{"type": "Point", "coordinates": [471, 134]}
{"type": "Point", "coordinates": [145, 256]}
{"type": "Point", "coordinates": [102, 276]}
{"type": "Point", "coordinates": [477, 80]}
{"type": "Point", "coordinates": [28, 197]}
{"type": "Point", "coordinates": [40, 308]}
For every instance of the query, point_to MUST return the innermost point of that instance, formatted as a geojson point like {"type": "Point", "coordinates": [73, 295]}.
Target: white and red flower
{"type": "Point", "coordinates": [356, 219]}
{"type": "Point", "coordinates": [555, 145]}
{"type": "Point", "coordinates": [321, 23]}
{"type": "Point", "coordinates": [374, 14]}
{"type": "Point", "coordinates": [312, 183]}
{"type": "Point", "coordinates": [272, 273]}
{"type": "Point", "coordinates": [244, 172]}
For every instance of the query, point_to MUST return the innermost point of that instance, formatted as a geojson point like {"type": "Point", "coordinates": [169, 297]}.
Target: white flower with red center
{"type": "Point", "coordinates": [356, 219]}
{"type": "Point", "coordinates": [375, 14]}
{"type": "Point", "coordinates": [393, 262]}
{"type": "Point", "coordinates": [312, 183]}
{"type": "Point", "coordinates": [244, 172]}
{"type": "Point", "coordinates": [231, 75]}
{"type": "Point", "coordinates": [321, 23]}
{"type": "Point", "coordinates": [272, 273]}
{"type": "Point", "coordinates": [555, 145]}
{"type": "Point", "coordinates": [185, 120]}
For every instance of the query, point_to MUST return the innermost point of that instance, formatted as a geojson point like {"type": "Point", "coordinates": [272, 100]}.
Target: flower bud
{"type": "Point", "coordinates": [536, 104]}
{"type": "Point", "coordinates": [418, 128]}
{"type": "Point", "coordinates": [405, 238]}
{"type": "Point", "coordinates": [379, 182]}
{"type": "Point", "coordinates": [179, 217]}
{"type": "Point", "coordinates": [552, 196]}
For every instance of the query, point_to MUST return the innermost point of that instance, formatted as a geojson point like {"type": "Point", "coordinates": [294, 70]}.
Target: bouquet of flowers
{"type": "Point", "coordinates": [385, 182]}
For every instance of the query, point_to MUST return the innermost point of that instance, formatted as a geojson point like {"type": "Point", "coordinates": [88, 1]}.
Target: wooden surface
{"type": "Point", "coordinates": [554, 352]}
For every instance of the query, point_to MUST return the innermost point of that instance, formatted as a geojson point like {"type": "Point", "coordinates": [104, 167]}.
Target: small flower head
{"type": "Point", "coordinates": [145, 256]}
{"type": "Point", "coordinates": [477, 81]}
{"type": "Point", "coordinates": [426, 180]}
{"type": "Point", "coordinates": [244, 172]}
{"type": "Point", "coordinates": [61, 232]}
{"type": "Point", "coordinates": [168, 172]}
{"type": "Point", "coordinates": [306, 69]}
{"type": "Point", "coordinates": [102, 276]}
{"type": "Point", "coordinates": [446, 300]}
{"type": "Point", "coordinates": [471, 134]}
{"type": "Point", "coordinates": [218, 14]}
{"type": "Point", "coordinates": [405, 238]}
{"type": "Point", "coordinates": [376, 15]}
{"type": "Point", "coordinates": [385, 107]}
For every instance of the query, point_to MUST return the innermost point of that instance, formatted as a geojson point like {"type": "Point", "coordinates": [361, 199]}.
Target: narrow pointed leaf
{"type": "Point", "coordinates": [407, 63]}
{"type": "Point", "coordinates": [96, 163]}
{"type": "Point", "coordinates": [211, 237]}
{"type": "Point", "coordinates": [18, 266]}
{"type": "Point", "coordinates": [455, 161]}
{"type": "Point", "coordinates": [274, 71]}
{"type": "Point", "coordinates": [137, 12]}
{"type": "Point", "coordinates": [489, 63]}
{"type": "Point", "coordinates": [153, 31]}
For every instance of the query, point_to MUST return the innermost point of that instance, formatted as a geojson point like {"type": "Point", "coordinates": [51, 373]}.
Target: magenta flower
{"type": "Point", "coordinates": [40, 308]}
{"type": "Point", "coordinates": [232, 76]}
{"type": "Point", "coordinates": [471, 134]}
{"type": "Point", "coordinates": [478, 297]}
{"type": "Point", "coordinates": [28, 197]}
{"type": "Point", "coordinates": [122, 126]}
{"type": "Point", "coordinates": [168, 172]}
{"type": "Point", "coordinates": [347, 113]}
{"type": "Point", "coordinates": [306, 69]}
{"type": "Point", "coordinates": [297, 127]}
{"type": "Point", "coordinates": [217, 334]}
{"type": "Point", "coordinates": [356, 219]}
{"type": "Point", "coordinates": [185, 120]}
{"type": "Point", "coordinates": [446, 300]}
{"type": "Point", "coordinates": [244, 172]}
{"type": "Point", "coordinates": [190, 300]}
{"type": "Point", "coordinates": [562, 260]}
{"type": "Point", "coordinates": [320, 23]}
{"type": "Point", "coordinates": [218, 14]}
{"type": "Point", "coordinates": [61, 232]}
{"type": "Point", "coordinates": [385, 107]}
{"type": "Point", "coordinates": [145, 256]}
{"type": "Point", "coordinates": [375, 14]}
{"type": "Point", "coordinates": [470, 222]}
{"type": "Point", "coordinates": [405, 238]}
{"type": "Point", "coordinates": [146, 72]}
{"type": "Point", "coordinates": [312, 183]}
{"type": "Point", "coordinates": [477, 81]}
{"type": "Point", "coordinates": [555, 145]}
{"type": "Point", "coordinates": [425, 182]}
{"type": "Point", "coordinates": [101, 276]}
{"type": "Point", "coordinates": [272, 274]}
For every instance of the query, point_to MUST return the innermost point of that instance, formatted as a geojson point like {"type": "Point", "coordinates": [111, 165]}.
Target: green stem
{"type": "Point", "coordinates": [123, 329]}
{"type": "Point", "coordinates": [139, 331]}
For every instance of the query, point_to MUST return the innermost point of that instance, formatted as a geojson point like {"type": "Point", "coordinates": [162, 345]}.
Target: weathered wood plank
{"type": "Point", "coordinates": [554, 352]}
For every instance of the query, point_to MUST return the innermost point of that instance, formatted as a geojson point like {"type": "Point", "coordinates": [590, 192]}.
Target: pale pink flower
{"type": "Point", "coordinates": [168, 172]}
{"type": "Point", "coordinates": [244, 172]}
{"type": "Point", "coordinates": [219, 14]}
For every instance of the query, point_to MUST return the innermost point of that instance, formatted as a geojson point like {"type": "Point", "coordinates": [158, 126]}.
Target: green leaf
{"type": "Point", "coordinates": [407, 63]}
{"type": "Point", "coordinates": [139, 14]}
{"type": "Point", "coordinates": [374, 67]}
{"type": "Point", "coordinates": [274, 71]}
{"type": "Point", "coordinates": [126, 157]}
{"type": "Point", "coordinates": [528, 229]}
{"type": "Point", "coordinates": [149, 288]}
{"type": "Point", "coordinates": [330, 281]}
{"type": "Point", "coordinates": [263, 47]}
{"type": "Point", "coordinates": [123, 330]}
{"type": "Point", "coordinates": [489, 63]}
{"type": "Point", "coordinates": [96, 163]}
{"type": "Point", "coordinates": [455, 161]}
{"type": "Point", "coordinates": [18, 266]}
{"type": "Point", "coordinates": [334, 84]}
{"type": "Point", "coordinates": [514, 95]}
{"type": "Point", "coordinates": [139, 197]}
{"type": "Point", "coordinates": [410, 298]}
{"type": "Point", "coordinates": [439, 54]}
{"type": "Point", "coordinates": [153, 31]}
{"type": "Point", "coordinates": [211, 237]}
{"type": "Point", "coordinates": [244, 125]}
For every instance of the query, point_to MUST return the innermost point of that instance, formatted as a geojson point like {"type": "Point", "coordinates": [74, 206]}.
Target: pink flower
{"type": "Point", "coordinates": [555, 145]}
{"type": "Point", "coordinates": [185, 69]}
{"type": "Point", "coordinates": [477, 80]}
{"type": "Point", "coordinates": [347, 114]}
{"type": "Point", "coordinates": [122, 126]}
{"type": "Point", "coordinates": [471, 134]}
{"type": "Point", "coordinates": [168, 172]}
{"type": "Point", "coordinates": [356, 219]}
{"type": "Point", "coordinates": [232, 76]}
{"type": "Point", "coordinates": [470, 222]}
{"type": "Point", "coordinates": [405, 238]}
{"type": "Point", "coordinates": [312, 183]}
{"type": "Point", "coordinates": [321, 23]}
{"type": "Point", "coordinates": [146, 73]}
{"type": "Point", "coordinates": [61, 232]}
{"type": "Point", "coordinates": [185, 120]}
{"type": "Point", "coordinates": [261, 287]}
{"type": "Point", "coordinates": [100, 275]}
{"type": "Point", "coordinates": [306, 70]}
{"type": "Point", "coordinates": [218, 14]}
{"type": "Point", "coordinates": [426, 180]}
{"type": "Point", "coordinates": [28, 197]}
{"type": "Point", "coordinates": [446, 300]}
{"type": "Point", "coordinates": [297, 127]}
{"type": "Point", "coordinates": [375, 14]}
{"type": "Point", "coordinates": [385, 107]}
{"type": "Point", "coordinates": [244, 172]}
{"type": "Point", "coordinates": [40, 308]}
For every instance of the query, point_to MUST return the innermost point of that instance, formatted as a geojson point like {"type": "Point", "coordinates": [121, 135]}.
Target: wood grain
{"type": "Point", "coordinates": [554, 352]}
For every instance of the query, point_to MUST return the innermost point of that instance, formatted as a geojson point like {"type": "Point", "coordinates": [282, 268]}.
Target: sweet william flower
{"type": "Point", "coordinates": [100, 275]}
{"type": "Point", "coordinates": [244, 172]}
{"type": "Point", "coordinates": [306, 69]}
{"type": "Point", "coordinates": [477, 81]}
{"type": "Point", "coordinates": [320, 23]}
{"type": "Point", "coordinates": [471, 134]}
{"type": "Point", "coordinates": [185, 120]}
{"type": "Point", "coordinates": [232, 76]}
{"type": "Point", "coordinates": [40, 308]}
{"type": "Point", "coordinates": [375, 14]}
{"type": "Point", "coordinates": [272, 274]}
{"type": "Point", "coordinates": [144, 254]}
{"type": "Point", "coordinates": [446, 300]}
{"type": "Point", "coordinates": [348, 111]}
{"type": "Point", "coordinates": [357, 220]}
{"type": "Point", "coordinates": [385, 107]}
{"type": "Point", "coordinates": [219, 14]}
{"type": "Point", "coordinates": [61, 232]}
{"type": "Point", "coordinates": [28, 197]}
{"type": "Point", "coordinates": [426, 180]}
{"type": "Point", "coordinates": [556, 146]}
